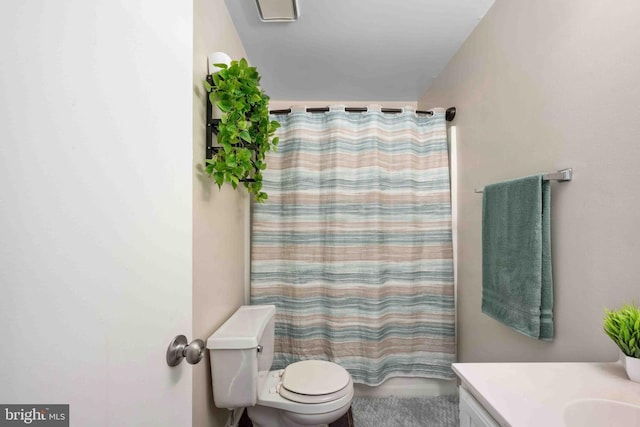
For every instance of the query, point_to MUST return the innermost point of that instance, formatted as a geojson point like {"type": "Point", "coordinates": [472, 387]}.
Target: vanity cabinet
{"type": "Point", "coordinates": [472, 414]}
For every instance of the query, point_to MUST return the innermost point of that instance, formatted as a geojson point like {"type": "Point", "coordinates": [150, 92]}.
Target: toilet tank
{"type": "Point", "coordinates": [234, 355]}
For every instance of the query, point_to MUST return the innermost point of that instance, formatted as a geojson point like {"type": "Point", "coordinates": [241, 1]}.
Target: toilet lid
{"type": "Point", "coordinates": [314, 381]}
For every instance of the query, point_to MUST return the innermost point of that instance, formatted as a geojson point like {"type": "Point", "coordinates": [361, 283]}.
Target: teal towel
{"type": "Point", "coordinates": [517, 285]}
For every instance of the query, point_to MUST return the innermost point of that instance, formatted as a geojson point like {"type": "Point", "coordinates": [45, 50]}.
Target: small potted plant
{"type": "Point", "coordinates": [245, 133]}
{"type": "Point", "coordinates": [623, 327]}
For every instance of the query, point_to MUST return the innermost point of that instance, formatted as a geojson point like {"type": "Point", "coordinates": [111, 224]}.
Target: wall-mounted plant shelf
{"type": "Point", "coordinates": [244, 134]}
{"type": "Point", "coordinates": [212, 129]}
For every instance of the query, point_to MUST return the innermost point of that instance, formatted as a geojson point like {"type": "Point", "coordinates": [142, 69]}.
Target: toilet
{"type": "Point", "coordinates": [310, 393]}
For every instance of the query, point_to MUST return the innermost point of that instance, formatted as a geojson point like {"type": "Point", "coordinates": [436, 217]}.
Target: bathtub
{"type": "Point", "coordinates": [408, 387]}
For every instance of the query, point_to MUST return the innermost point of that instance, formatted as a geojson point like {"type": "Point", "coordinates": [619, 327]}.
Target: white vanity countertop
{"type": "Point", "coordinates": [535, 394]}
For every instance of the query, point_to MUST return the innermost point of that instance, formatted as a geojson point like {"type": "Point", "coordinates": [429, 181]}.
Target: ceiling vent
{"type": "Point", "coordinates": [278, 10]}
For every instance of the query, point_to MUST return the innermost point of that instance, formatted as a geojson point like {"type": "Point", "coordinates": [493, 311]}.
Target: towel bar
{"type": "Point", "coordinates": [560, 176]}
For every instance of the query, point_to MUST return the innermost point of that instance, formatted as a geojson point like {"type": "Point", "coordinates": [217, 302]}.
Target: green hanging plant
{"type": "Point", "coordinates": [245, 133]}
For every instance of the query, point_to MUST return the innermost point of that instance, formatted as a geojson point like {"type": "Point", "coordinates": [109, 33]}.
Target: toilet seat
{"type": "Point", "coordinates": [270, 385]}
{"type": "Point", "coordinates": [314, 381]}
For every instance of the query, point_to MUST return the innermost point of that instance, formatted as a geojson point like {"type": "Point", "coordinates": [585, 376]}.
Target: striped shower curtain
{"type": "Point", "coordinates": [354, 244]}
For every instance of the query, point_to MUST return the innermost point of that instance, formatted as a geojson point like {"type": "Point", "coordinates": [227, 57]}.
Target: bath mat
{"type": "Point", "coordinates": [392, 411]}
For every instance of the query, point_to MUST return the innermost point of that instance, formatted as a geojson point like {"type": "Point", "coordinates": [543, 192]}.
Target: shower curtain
{"type": "Point", "coordinates": [354, 244]}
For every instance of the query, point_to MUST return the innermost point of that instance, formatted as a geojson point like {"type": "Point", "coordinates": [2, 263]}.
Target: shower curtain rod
{"type": "Point", "coordinates": [560, 176]}
{"type": "Point", "coordinates": [450, 114]}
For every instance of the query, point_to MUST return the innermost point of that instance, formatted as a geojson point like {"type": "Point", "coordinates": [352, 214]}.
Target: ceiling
{"type": "Point", "coordinates": [356, 50]}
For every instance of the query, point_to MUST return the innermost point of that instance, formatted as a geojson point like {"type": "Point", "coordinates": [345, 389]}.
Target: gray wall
{"type": "Point", "coordinates": [539, 86]}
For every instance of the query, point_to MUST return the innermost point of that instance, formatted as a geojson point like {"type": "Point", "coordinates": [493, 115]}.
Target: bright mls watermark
{"type": "Point", "coordinates": [34, 415]}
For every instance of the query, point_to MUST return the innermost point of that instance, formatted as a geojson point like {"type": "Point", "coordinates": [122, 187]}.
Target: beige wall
{"type": "Point", "coordinates": [539, 86]}
{"type": "Point", "coordinates": [277, 105]}
{"type": "Point", "coordinates": [218, 216]}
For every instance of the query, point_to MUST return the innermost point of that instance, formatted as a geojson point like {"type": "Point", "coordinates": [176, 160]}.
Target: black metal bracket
{"type": "Point", "coordinates": [450, 114]}
{"type": "Point", "coordinates": [212, 129]}
{"type": "Point", "coordinates": [212, 126]}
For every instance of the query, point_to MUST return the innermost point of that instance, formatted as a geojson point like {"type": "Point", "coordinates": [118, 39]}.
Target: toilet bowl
{"type": "Point", "coordinates": [309, 393]}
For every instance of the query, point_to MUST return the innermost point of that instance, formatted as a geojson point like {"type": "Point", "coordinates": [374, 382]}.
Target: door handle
{"type": "Point", "coordinates": [179, 349]}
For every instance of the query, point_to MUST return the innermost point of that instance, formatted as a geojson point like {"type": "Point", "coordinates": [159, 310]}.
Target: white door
{"type": "Point", "coordinates": [95, 207]}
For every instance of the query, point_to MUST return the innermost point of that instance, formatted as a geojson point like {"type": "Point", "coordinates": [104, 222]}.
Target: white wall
{"type": "Point", "coordinates": [219, 235]}
{"type": "Point", "coordinates": [95, 207]}
{"type": "Point", "coordinates": [539, 86]}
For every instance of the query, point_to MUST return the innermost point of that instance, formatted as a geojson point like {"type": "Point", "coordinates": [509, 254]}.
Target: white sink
{"type": "Point", "coordinates": [601, 412]}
